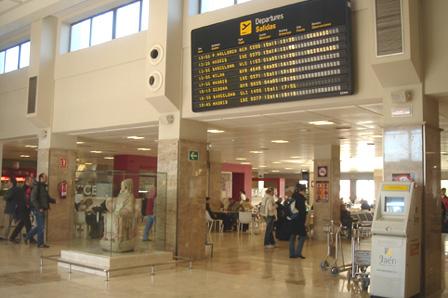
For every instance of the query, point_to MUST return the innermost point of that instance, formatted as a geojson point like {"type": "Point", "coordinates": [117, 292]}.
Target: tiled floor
{"type": "Point", "coordinates": [241, 267]}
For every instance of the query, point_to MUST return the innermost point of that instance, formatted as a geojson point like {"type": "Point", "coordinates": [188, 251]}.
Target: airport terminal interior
{"type": "Point", "coordinates": [182, 148]}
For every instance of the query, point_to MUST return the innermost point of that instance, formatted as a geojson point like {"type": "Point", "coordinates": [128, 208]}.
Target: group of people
{"type": "Point", "coordinates": [295, 209]}
{"type": "Point", "coordinates": [33, 198]}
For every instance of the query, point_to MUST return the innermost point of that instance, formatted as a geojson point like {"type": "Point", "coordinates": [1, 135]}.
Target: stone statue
{"type": "Point", "coordinates": [120, 224]}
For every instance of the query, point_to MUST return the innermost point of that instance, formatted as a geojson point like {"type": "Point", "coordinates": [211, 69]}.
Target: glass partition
{"type": "Point", "coordinates": [114, 212]}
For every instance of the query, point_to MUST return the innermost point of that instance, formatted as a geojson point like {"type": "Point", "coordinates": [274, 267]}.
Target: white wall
{"type": "Point", "coordinates": [13, 104]}
{"type": "Point", "coordinates": [102, 86]}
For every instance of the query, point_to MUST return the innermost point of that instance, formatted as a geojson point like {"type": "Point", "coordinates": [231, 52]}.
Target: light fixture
{"type": "Point", "coordinates": [25, 156]}
{"type": "Point", "coordinates": [254, 168]}
{"type": "Point", "coordinates": [31, 146]}
{"type": "Point", "coordinates": [80, 143]}
{"type": "Point", "coordinates": [321, 122]}
{"type": "Point", "coordinates": [288, 168]}
{"type": "Point", "coordinates": [108, 157]}
{"type": "Point", "coordinates": [88, 163]}
{"type": "Point", "coordinates": [245, 163]}
{"type": "Point", "coordinates": [144, 149]}
{"type": "Point", "coordinates": [256, 152]}
{"type": "Point", "coordinates": [241, 158]}
{"type": "Point", "coordinates": [279, 141]}
{"type": "Point", "coordinates": [215, 131]}
{"type": "Point", "coordinates": [96, 151]}
{"type": "Point", "coordinates": [295, 156]}
{"type": "Point", "coordinates": [275, 171]}
{"type": "Point", "coordinates": [263, 166]}
{"type": "Point", "coordinates": [276, 162]}
{"type": "Point", "coordinates": [135, 138]}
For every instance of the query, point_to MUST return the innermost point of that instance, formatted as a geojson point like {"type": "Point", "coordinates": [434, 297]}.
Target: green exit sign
{"type": "Point", "coordinates": [193, 155]}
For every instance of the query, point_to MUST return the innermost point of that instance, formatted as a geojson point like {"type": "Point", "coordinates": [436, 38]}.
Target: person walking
{"type": "Point", "coordinates": [149, 212]}
{"type": "Point", "coordinates": [40, 201]}
{"type": "Point", "coordinates": [23, 210]}
{"type": "Point", "coordinates": [269, 211]}
{"type": "Point", "coordinates": [12, 196]}
{"type": "Point", "coordinates": [298, 223]}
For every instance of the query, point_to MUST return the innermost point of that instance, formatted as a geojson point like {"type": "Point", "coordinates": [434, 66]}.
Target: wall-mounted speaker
{"type": "Point", "coordinates": [156, 54]}
{"type": "Point", "coordinates": [32, 95]}
{"type": "Point", "coordinates": [389, 27]}
{"type": "Point", "coordinates": [155, 80]}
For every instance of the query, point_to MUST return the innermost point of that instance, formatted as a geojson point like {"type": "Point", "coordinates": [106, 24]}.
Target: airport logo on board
{"type": "Point", "coordinates": [246, 27]}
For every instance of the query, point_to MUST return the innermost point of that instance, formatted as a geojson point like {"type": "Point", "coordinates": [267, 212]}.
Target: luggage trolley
{"type": "Point", "coordinates": [334, 251]}
{"type": "Point", "coordinates": [360, 257]}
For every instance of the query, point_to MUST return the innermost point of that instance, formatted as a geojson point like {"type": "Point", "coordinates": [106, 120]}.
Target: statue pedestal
{"type": "Point", "coordinates": [102, 262]}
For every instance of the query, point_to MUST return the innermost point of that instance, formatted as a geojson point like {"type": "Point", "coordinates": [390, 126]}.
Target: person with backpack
{"type": "Point", "coordinates": [269, 212]}
{"type": "Point", "coordinates": [298, 218]}
{"type": "Point", "coordinates": [40, 201]}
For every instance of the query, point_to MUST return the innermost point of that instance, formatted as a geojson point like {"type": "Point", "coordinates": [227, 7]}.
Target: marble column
{"type": "Point", "coordinates": [181, 224]}
{"type": "Point", "coordinates": [56, 157]}
{"type": "Point", "coordinates": [418, 137]}
{"type": "Point", "coordinates": [214, 182]}
{"type": "Point", "coordinates": [327, 174]}
{"type": "Point", "coordinates": [378, 178]}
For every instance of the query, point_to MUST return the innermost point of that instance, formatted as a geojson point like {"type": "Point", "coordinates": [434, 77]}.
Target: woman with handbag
{"type": "Point", "coordinates": [298, 223]}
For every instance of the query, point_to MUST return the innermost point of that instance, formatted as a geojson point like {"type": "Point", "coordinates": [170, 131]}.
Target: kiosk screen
{"type": "Point", "coordinates": [394, 205]}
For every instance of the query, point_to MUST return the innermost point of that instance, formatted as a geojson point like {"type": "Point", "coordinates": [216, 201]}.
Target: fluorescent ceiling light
{"type": "Point", "coordinates": [88, 163]}
{"type": "Point", "coordinates": [364, 122]}
{"type": "Point", "coordinates": [96, 151]}
{"type": "Point", "coordinates": [263, 166]}
{"type": "Point", "coordinates": [108, 157]}
{"type": "Point", "coordinates": [295, 156]}
{"type": "Point", "coordinates": [279, 141]}
{"type": "Point", "coordinates": [80, 143]}
{"type": "Point", "coordinates": [275, 171]}
{"type": "Point", "coordinates": [215, 131]}
{"type": "Point", "coordinates": [245, 163]}
{"type": "Point", "coordinates": [31, 146]}
{"type": "Point", "coordinates": [25, 156]}
{"type": "Point", "coordinates": [135, 138]}
{"type": "Point", "coordinates": [288, 168]}
{"type": "Point", "coordinates": [256, 152]}
{"type": "Point", "coordinates": [144, 149]}
{"type": "Point", "coordinates": [322, 122]}
{"type": "Point", "coordinates": [241, 158]}
{"type": "Point", "coordinates": [276, 162]}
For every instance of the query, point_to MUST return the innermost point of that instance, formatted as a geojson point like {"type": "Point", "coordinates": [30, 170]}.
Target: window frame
{"type": "Point", "coordinates": [19, 44]}
{"type": "Point", "coordinates": [114, 23]}
{"type": "Point", "coordinates": [235, 2]}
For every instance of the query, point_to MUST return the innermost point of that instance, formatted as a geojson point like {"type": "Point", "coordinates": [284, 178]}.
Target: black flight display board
{"type": "Point", "coordinates": [299, 51]}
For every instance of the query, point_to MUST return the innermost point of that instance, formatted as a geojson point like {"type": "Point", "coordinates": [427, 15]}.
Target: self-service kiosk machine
{"type": "Point", "coordinates": [396, 241]}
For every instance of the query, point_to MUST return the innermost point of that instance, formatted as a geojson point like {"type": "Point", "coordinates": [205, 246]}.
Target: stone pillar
{"type": "Point", "coordinates": [214, 180]}
{"type": "Point", "coordinates": [378, 178]}
{"type": "Point", "coordinates": [181, 216]}
{"type": "Point", "coordinates": [327, 174]}
{"type": "Point", "coordinates": [56, 157]}
{"type": "Point", "coordinates": [418, 137]}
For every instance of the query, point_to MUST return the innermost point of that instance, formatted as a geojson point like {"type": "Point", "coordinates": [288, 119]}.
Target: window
{"type": "Point", "coordinates": [210, 5]}
{"type": "Point", "coordinates": [365, 190]}
{"type": "Point", "coordinates": [128, 20]}
{"type": "Point", "coordinates": [15, 57]}
{"type": "Point", "coordinates": [344, 190]}
{"type": "Point", "coordinates": [115, 23]}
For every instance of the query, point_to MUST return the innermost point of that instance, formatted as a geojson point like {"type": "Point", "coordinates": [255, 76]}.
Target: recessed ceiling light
{"type": "Point", "coordinates": [262, 166]}
{"type": "Point", "coordinates": [275, 171]}
{"type": "Point", "coordinates": [245, 163]}
{"type": "Point", "coordinates": [108, 157]}
{"type": "Point", "coordinates": [256, 152]}
{"type": "Point", "coordinates": [135, 138]}
{"type": "Point", "coordinates": [96, 151]}
{"type": "Point", "coordinates": [295, 156]}
{"type": "Point", "coordinates": [25, 156]}
{"type": "Point", "coordinates": [31, 146]}
{"type": "Point", "coordinates": [215, 131]}
{"type": "Point", "coordinates": [276, 162]}
{"type": "Point", "coordinates": [80, 143]}
{"type": "Point", "coordinates": [321, 122]}
{"type": "Point", "coordinates": [241, 158]}
{"type": "Point", "coordinates": [144, 149]}
{"type": "Point", "coordinates": [288, 168]}
{"type": "Point", "coordinates": [279, 141]}
{"type": "Point", "coordinates": [88, 163]}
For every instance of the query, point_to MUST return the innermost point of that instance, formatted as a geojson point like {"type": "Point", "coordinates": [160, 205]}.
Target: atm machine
{"type": "Point", "coordinates": [396, 241]}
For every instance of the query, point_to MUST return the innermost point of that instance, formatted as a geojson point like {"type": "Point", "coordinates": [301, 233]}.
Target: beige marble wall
{"type": "Point", "coordinates": [214, 190]}
{"type": "Point", "coordinates": [181, 226]}
{"type": "Point", "coordinates": [60, 216]}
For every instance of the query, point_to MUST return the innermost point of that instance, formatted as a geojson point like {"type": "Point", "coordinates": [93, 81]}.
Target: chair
{"type": "Point", "coordinates": [244, 218]}
{"type": "Point", "coordinates": [213, 222]}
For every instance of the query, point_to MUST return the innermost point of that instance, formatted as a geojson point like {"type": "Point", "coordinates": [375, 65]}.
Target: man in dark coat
{"type": "Point", "coordinates": [40, 201]}
{"type": "Point", "coordinates": [23, 211]}
{"type": "Point", "coordinates": [12, 196]}
{"type": "Point", "coordinates": [298, 223]}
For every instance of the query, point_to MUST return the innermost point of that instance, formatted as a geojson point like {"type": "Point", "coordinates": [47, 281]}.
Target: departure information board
{"type": "Point", "coordinates": [294, 52]}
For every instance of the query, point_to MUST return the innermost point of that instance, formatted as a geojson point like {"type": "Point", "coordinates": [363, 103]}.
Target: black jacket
{"type": "Point", "coordinates": [40, 199]}
{"type": "Point", "coordinates": [13, 196]}
{"type": "Point", "coordinates": [298, 223]}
